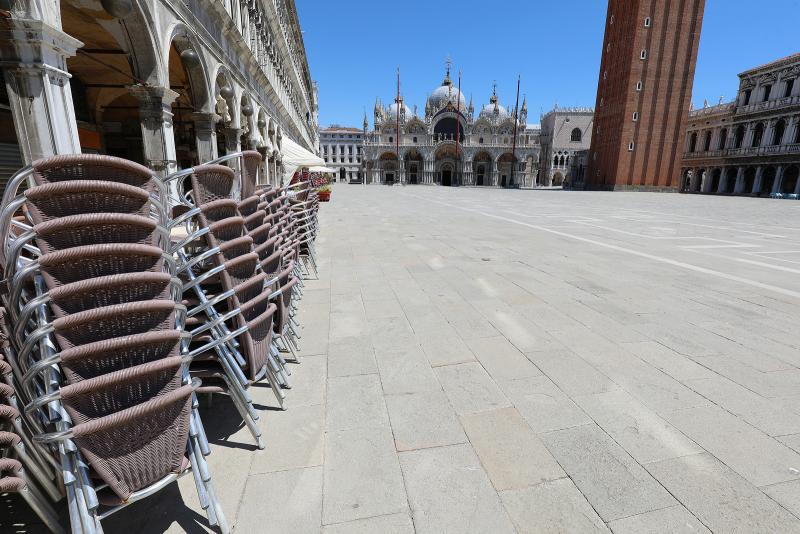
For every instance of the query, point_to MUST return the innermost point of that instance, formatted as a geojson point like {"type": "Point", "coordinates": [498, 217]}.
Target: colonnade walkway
{"type": "Point", "coordinates": [481, 360]}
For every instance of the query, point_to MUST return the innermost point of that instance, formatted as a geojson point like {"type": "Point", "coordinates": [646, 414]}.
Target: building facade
{"type": "Point", "coordinates": [167, 84]}
{"type": "Point", "coordinates": [449, 145]}
{"type": "Point", "coordinates": [343, 149]}
{"type": "Point", "coordinates": [644, 93]}
{"type": "Point", "coordinates": [564, 132]}
{"type": "Point", "coordinates": [750, 146]}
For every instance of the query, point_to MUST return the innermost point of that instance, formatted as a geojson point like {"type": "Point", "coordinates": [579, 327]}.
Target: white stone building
{"type": "Point", "coordinates": [342, 149]}
{"type": "Point", "coordinates": [750, 146]}
{"type": "Point", "coordinates": [167, 84]}
{"type": "Point", "coordinates": [448, 145]}
{"type": "Point", "coordinates": [565, 131]}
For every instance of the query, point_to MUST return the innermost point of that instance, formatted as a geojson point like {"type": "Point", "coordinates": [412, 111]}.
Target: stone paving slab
{"type": "Point", "coordinates": [488, 361]}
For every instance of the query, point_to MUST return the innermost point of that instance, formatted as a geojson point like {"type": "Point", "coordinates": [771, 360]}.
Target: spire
{"type": "Point", "coordinates": [524, 103]}
{"type": "Point", "coordinates": [471, 108]}
{"type": "Point", "coordinates": [493, 98]}
{"type": "Point", "coordinates": [447, 80]}
{"type": "Point", "coordinates": [366, 122]}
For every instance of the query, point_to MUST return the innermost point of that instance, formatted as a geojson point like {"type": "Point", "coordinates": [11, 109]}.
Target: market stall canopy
{"type": "Point", "coordinates": [322, 170]}
{"type": "Point", "coordinates": [295, 156]}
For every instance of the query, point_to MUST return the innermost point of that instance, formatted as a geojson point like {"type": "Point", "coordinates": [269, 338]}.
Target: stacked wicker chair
{"type": "Point", "coordinates": [231, 314]}
{"type": "Point", "coordinates": [99, 357]}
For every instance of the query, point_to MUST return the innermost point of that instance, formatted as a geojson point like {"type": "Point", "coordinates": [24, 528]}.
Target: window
{"type": "Point", "coordinates": [639, 86]}
{"type": "Point", "coordinates": [391, 139]}
{"type": "Point", "coordinates": [480, 141]}
{"type": "Point", "coordinates": [608, 47]}
{"type": "Point", "coordinates": [647, 22]}
{"type": "Point", "coordinates": [630, 146]}
{"type": "Point", "coordinates": [415, 139]}
{"type": "Point", "coordinates": [723, 138]}
{"type": "Point", "coordinates": [707, 143]}
{"type": "Point", "coordinates": [576, 135]}
{"type": "Point", "coordinates": [767, 91]}
{"type": "Point", "coordinates": [739, 137]}
{"type": "Point", "coordinates": [787, 91]}
{"type": "Point", "coordinates": [635, 116]}
{"type": "Point", "coordinates": [758, 135]}
{"type": "Point", "coordinates": [693, 142]}
{"type": "Point", "coordinates": [605, 75]}
{"type": "Point", "coordinates": [643, 54]}
{"type": "Point", "coordinates": [780, 129]}
{"type": "Point", "coordinates": [611, 20]}
{"type": "Point", "coordinates": [555, 161]}
{"type": "Point", "coordinates": [746, 97]}
{"type": "Point", "coordinates": [602, 101]}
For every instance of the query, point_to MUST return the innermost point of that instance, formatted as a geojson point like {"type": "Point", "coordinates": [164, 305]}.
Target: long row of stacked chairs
{"type": "Point", "coordinates": [125, 296]}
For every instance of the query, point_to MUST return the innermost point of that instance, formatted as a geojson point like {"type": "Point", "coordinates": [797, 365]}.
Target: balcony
{"type": "Point", "coordinates": [769, 105]}
{"type": "Point", "coordinates": [765, 150]}
{"type": "Point", "coordinates": [705, 155]}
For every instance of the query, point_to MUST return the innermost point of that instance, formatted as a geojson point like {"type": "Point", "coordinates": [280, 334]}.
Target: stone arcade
{"type": "Point", "coordinates": [167, 84]}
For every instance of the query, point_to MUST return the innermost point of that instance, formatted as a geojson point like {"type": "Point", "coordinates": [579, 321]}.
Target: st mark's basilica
{"type": "Point", "coordinates": [449, 145]}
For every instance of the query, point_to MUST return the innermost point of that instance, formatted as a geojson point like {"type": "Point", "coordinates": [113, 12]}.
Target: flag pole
{"type": "Point", "coordinates": [397, 133]}
{"type": "Point", "coordinates": [514, 143]}
{"type": "Point", "coordinates": [458, 132]}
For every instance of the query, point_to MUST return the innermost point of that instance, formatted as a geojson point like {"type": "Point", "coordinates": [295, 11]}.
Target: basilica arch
{"type": "Point", "coordinates": [445, 165]}
{"type": "Point", "coordinates": [482, 168]}
{"type": "Point", "coordinates": [388, 170]}
{"type": "Point", "coordinates": [414, 166]}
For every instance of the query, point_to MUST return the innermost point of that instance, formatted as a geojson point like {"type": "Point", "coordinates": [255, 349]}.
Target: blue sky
{"type": "Point", "coordinates": [355, 46]}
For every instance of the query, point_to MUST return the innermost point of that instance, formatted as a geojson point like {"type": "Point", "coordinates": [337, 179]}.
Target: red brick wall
{"type": "Point", "coordinates": [663, 103]}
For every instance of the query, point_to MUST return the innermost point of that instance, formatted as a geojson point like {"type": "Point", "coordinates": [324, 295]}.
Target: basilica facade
{"type": "Point", "coordinates": [449, 145]}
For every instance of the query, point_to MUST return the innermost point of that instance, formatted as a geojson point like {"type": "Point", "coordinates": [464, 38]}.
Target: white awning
{"type": "Point", "coordinates": [295, 157]}
{"type": "Point", "coordinates": [324, 170]}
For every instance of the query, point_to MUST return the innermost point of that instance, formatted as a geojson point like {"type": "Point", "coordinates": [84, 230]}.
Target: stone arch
{"type": "Point", "coordinates": [414, 166]}
{"type": "Point", "coordinates": [790, 179]}
{"type": "Point", "coordinates": [482, 168]}
{"type": "Point", "coordinates": [505, 162]}
{"type": "Point", "coordinates": [716, 179]}
{"type": "Point", "coordinates": [693, 142]}
{"type": "Point", "coordinates": [388, 168]}
{"type": "Point", "coordinates": [182, 46]}
{"type": "Point", "coordinates": [749, 180]}
{"type": "Point", "coordinates": [729, 182]}
{"type": "Point", "coordinates": [768, 176]}
{"type": "Point", "coordinates": [698, 178]}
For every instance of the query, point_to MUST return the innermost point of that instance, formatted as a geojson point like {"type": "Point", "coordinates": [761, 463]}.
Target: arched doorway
{"type": "Point", "coordinates": [697, 181]}
{"type": "Point", "coordinates": [446, 165]}
{"type": "Point", "coordinates": [716, 177]}
{"type": "Point", "coordinates": [749, 180]}
{"type": "Point", "coordinates": [481, 168]}
{"type": "Point", "coordinates": [413, 165]}
{"type": "Point", "coordinates": [790, 177]}
{"type": "Point", "coordinates": [558, 179]}
{"type": "Point", "coordinates": [388, 168]}
{"type": "Point", "coordinates": [729, 183]}
{"type": "Point", "coordinates": [504, 169]}
{"type": "Point", "coordinates": [342, 174]}
{"type": "Point", "coordinates": [686, 180]}
{"type": "Point", "coordinates": [767, 181]}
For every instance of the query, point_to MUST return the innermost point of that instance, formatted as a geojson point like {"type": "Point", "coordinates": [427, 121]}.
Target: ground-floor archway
{"type": "Point", "coordinates": [790, 177]}
{"type": "Point", "coordinates": [716, 177]}
{"type": "Point", "coordinates": [749, 180]}
{"type": "Point", "coordinates": [506, 171]}
{"type": "Point", "coordinates": [414, 166]}
{"type": "Point", "coordinates": [768, 176]}
{"type": "Point", "coordinates": [482, 168]}
{"type": "Point", "coordinates": [446, 165]}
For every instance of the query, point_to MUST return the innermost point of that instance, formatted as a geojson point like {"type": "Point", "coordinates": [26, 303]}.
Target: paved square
{"type": "Point", "coordinates": [480, 360]}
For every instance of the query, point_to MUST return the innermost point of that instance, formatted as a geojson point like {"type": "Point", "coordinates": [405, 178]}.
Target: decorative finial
{"type": "Point", "coordinates": [448, 63]}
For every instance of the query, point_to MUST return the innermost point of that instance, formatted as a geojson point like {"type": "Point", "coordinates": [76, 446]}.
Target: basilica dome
{"type": "Point", "coordinates": [391, 112]}
{"type": "Point", "coordinates": [488, 112]}
{"type": "Point", "coordinates": [446, 93]}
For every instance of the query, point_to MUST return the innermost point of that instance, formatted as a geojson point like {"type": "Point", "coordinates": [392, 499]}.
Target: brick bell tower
{"type": "Point", "coordinates": [644, 94]}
